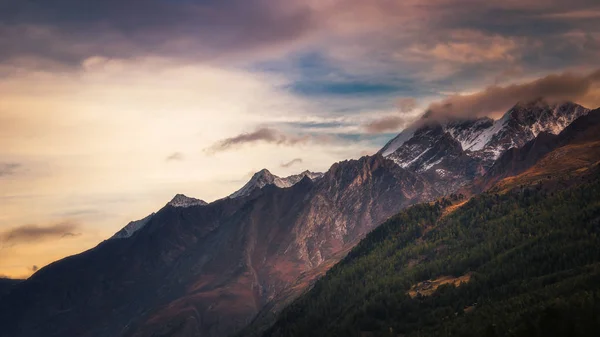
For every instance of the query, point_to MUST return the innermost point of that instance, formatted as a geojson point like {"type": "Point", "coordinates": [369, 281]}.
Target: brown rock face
{"type": "Point", "coordinates": [207, 270]}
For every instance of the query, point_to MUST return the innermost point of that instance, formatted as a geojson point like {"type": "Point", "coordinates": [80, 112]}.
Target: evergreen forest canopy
{"type": "Point", "coordinates": [528, 260]}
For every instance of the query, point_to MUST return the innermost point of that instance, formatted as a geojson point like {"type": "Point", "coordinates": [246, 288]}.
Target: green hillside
{"type": "Point", "coordinates": [522, 263]}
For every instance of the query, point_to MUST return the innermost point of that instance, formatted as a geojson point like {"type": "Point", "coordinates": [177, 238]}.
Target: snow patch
{"type": "Point", "coordinates": [398, 141]}
{"type": "Point", "coordinates": [430, 165]}
{"type": "Point", "coordinates": [486, 136]}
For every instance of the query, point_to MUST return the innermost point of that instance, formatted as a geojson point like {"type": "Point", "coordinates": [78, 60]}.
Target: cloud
{"type": "Point", "coordinates": [175, 156]}
{"type": "Point", "coordinates": [34, 268]}
{"type": "Point", "coordinates": [464, 31]}
{"type": "Point", "coordinates": [265, 135]}
{"type": "Point", "coordinates": [29, 233]}
{"type": "Point", "coordinates": [69, 234]}
{"type": "Point", "coordinates": [388, 123]}
{"type": "Point", "coordinates": [406, 104]}
{"type": "Point", "coordinates": [464, 46]}
{"type": "Point", "coordinates": [60, 34]}
{"type": "Point", "coordinates": [495, 100]}
{"type": "Point", "coordinates": [574, 15]}
{"type": "Point", "coordinates": [291, 162]}
{"type": "Point", "coordinates": [7, 169]}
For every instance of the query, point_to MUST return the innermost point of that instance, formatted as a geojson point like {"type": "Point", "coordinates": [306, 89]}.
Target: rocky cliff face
{"type": "Point", "coordinates": [206, 270]}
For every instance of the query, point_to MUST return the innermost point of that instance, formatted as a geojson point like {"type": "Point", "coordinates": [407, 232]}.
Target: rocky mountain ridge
{"type": "Point", "coordinates": [209, 269]}
{"type": "Point", "coordinates": [197, 269]}
{"type": "Point", "coordinates": [263, 178]}
{"type": "Point", "coordinates": [453, 152]}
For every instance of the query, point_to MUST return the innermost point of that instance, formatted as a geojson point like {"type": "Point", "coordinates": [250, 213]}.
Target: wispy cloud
{"type": "Point", "coordinates": [7, 169]}
{"type": "Point", "coordinates": [175, 156]}
{"type": "Point", "coordinates": [395, 122]}
{"type": "Point", "coordinates": [291, 162]}
{"type": "Point", "coordinates": [264, 135]}
{"type": "Point", "coordinates": [33, 233]}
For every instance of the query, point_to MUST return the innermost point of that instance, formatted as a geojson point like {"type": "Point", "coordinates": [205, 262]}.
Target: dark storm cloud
{"type": "Point", "coordinates": [32, 233]}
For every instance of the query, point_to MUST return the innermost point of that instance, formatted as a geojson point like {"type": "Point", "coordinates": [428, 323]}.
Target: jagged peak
{"type": "Point", "coordinates": [483, 138]}
{"type": "Point", "coordinates": [263, 172]}
{"type": "Point", "coordinates": [264, 177]}
{"type": "Point", "coordinates": [182, 200]}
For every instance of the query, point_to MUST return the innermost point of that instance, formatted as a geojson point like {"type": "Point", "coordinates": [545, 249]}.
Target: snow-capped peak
{"type": "Point", "coordinates": [132, 227]}
{"type": "Point", "coordinates": [481, 139]}
{"type": "Point", "coordinates": [398, 141]}
{"type": "Point", "coordinates": [181, 200]}
{"type": "Point", "coordinates": [263, 178]}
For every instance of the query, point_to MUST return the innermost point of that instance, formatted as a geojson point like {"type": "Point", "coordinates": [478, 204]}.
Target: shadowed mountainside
{"type": "Point", "coordinates": [208, 269]}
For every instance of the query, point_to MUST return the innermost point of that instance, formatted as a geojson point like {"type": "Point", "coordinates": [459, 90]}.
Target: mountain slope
{"type": "Point", "coordinates": [7, 284]}
{"type": "Point", "coordinates": [522, 263]}
{"type": "Point", "coordinates": [179, 200]}
{"type": "Point", "coordinates": [132, 227]}
{"type": "Point", "coordinates": [208, 269]}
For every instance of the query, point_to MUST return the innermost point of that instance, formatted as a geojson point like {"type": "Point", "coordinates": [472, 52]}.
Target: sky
{"type": "Point", "coordinates": [110, 108]}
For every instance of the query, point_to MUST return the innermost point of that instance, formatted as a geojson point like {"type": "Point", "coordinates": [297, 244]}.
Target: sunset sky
{"type": "Point", "coordinates": [110, 108]}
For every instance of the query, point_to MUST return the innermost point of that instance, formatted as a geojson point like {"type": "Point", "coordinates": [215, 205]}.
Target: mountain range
{"type": "Point", "coordinates": [521, 259]}
{"type": "Point", "coordinates": [209, 269]}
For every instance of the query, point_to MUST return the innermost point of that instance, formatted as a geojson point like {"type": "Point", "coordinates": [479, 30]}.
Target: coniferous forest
{"type": "Point", "coordinates": [521, 263]}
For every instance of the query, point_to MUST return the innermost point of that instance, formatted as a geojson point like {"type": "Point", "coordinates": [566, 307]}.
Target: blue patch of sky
{"type": "Point", "coordinates": [313, 75]}
{"type": "Point", "coordinates": [318, 88]}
